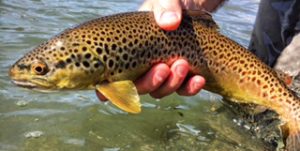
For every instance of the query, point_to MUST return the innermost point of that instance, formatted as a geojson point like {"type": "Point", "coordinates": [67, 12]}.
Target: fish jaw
{"type": "Point", "coordinates": [30, 82]}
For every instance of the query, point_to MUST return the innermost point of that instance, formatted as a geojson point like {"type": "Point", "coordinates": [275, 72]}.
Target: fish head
{"type": "Point", "coordinates": [62, 62]}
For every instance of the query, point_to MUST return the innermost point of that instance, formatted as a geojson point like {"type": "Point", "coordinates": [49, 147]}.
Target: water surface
{"type": "Point", "coordinates": [76, 120]}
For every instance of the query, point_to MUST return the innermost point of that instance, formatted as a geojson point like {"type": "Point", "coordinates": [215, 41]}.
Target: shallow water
{"type": "Point", "coordinates": [76, 120]}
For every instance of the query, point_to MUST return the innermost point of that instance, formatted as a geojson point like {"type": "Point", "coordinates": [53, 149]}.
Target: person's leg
{"type": "Point", "coordinates": [276, 23]}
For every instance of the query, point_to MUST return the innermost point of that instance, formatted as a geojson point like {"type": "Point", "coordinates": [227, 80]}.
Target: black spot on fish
{"type": "Point", "coordinates": [61, 64]}
{"type": "Point", "coordinates": [106, 49]}
{"type": "Point", "coordinates": [116, 67]}
{"type": "Point", "coordinates": [84, 48]}
{"type": "Point", "coordinates": [127, 65]}
{"type": "Point", "coordinates": [125, 56]}
{"type": "Point", "coordinates": [113, 46]}
{"type": "Point", "coordinates": [87, 56]}
{"type": "Point", "coordinates": [140, 45]}
{"type": "Point", "coordinates": [99, 50]}
{"type": "Point", "coordinates": [142, 53]}
{"type": "Point", "coordinates": [86, 64]}
{"type": "Point", "coordinates": [110, 63]}
{"type": "Point", "coordinates": [120, 50]}
{"type": "Point", "coordinates": [96, 65]}
{"type": "Point", "coordinates": [124, 40]}
{"type": "Point", "coordinates": [23, 66]}
{"type": "Point", "coordinates": [133, 65]}
{"type": "Point", "coordinates": [133, 52]}
{"type": "Point", "coordinates": [151, 38]}
{"type": "Point", "coordinates": [69, 60]}
{"type": "Point", "coordinates": [148, 54]}
{"type": "Point", "coordinates": [155, 51]}
{"type": "Point", "coordinates": [104, 58]}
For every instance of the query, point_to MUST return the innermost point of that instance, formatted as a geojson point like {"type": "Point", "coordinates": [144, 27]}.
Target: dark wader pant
{"type": "Point", "coordinates": [277, 22]}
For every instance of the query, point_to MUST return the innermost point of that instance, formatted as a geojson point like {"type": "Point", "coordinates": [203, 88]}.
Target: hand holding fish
{"type": "Point", "coordinates": [163, 80]}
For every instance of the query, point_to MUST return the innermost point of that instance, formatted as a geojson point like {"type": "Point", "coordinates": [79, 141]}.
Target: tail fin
{"type": "Point", "coordinates": [293, 136]}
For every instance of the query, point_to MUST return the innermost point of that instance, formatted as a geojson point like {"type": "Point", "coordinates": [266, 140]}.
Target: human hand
{"type": "Point", "coordinates": [168, 15]}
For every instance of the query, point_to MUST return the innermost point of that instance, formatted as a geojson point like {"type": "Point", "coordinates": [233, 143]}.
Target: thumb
{"type": "Point", "coordinates": [167, 14]}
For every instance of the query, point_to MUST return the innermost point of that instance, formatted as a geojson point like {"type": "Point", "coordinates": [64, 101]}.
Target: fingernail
{"type": "Point", "coordinates": [196, 85]}
{"type": "Point", "coordinates": [181, 71]}
{"type": "Point", "coordinates": [158, 77]}
{"type": "Point", "coordinates": [169, 17]}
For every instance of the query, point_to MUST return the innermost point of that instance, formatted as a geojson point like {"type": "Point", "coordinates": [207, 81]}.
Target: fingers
{"type": "Point", "coordinates": [192, 87]}
{"type": "Point", "coordinates": [167, 13]}
{"type": "Point", "coordinates": [179, 71]}
{"type": "Point", "coordinates": [153, 79]}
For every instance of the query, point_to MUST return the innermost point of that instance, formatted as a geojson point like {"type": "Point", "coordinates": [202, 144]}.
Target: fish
{"type": "Point", "coordinates": [110, 52]}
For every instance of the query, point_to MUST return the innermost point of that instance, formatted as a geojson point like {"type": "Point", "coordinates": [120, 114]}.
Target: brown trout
{"type": "Point", "coordinates": [108, 53]}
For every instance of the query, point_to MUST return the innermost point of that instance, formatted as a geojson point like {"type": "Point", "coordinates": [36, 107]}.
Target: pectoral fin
{"type": "Point", "coordinates": [123, 94]}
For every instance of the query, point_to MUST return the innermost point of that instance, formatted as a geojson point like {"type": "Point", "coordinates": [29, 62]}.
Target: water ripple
{"type": "Point", "coordinates": [35, 112]}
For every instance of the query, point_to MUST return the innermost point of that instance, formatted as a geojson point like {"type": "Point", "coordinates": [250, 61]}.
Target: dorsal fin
{"type": "Point", "coordinates": [204, 16]}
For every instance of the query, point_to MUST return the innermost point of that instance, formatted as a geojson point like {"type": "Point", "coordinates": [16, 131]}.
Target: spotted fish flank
{"type": "Point", "coordinates": [110, 52]}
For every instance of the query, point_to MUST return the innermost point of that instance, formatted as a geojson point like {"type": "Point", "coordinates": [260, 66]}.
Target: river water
{"type": "Point", "coordinates": [76, 120]}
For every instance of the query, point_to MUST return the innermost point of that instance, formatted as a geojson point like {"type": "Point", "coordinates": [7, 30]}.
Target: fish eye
{"type": "Point", "coordinates": [39, 68]}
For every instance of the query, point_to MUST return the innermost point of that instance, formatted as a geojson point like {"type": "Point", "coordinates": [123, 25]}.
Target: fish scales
{"type": "Point", "coordinates": [124, 46]}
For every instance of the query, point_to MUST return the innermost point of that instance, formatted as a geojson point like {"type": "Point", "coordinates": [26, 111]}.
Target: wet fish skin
{"type": "Point", "coordinates": [124, 46]}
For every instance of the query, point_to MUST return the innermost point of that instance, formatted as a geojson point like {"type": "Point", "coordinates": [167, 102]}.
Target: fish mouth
{"type": "Point", "coordinates": [24, 84]}
{"type": "Point", "coordinates": [32, 86]}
